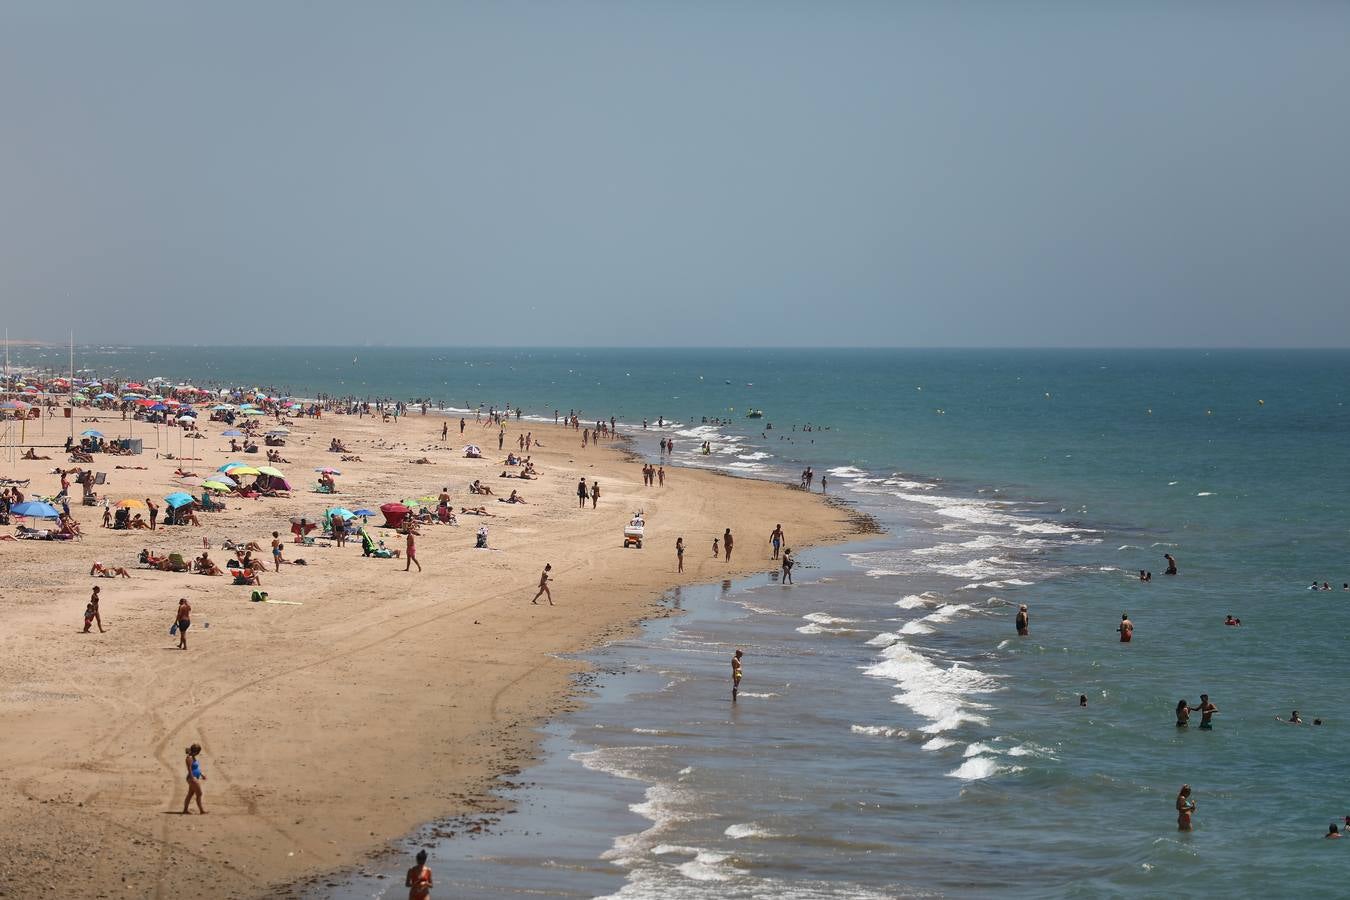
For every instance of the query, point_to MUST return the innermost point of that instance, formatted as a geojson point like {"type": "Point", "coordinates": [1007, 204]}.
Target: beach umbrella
{"type": "Point", "coordinates": [105, 396]}
{"type": "Point", "coordinates": [35, 509]}
{"type": "Point", "coordinates": [222, 478]}
{"type": "Point", "coordinates": [177, 499]}
{"type": "Point", "coordinates": [328, 470]}
{"type": "Point", "coordinates": [187, 417]}
{"type": "Point", "coordinates": [158, 407]}
{"type": "Point", "coordinates": [214, 485]}
{"type": "Point", "coordinates": [338, 511]}
{"type": "Point", "coordinates": [364, 512]}
{"type": "Point", "coordinates": [253, 412]}
{"type": "Point", "coordinates": [13, 404]}
{"type": "Point", "coordinates": [269, 470]}
{"type": "Point", "coordinates": [221, 407]}
{"type": "Point", "coordinates": [130, 503]}
{"type": "Point", "coordinates": [233, 432]}
{"type": "Point", "coordinates": [278, 432]}
{"type": "Point", "coordinates": [236, 471]}
{"type": "Point", "coordinates": [91, 433]}
{"type": "Point", "coordinates": [421, 501]}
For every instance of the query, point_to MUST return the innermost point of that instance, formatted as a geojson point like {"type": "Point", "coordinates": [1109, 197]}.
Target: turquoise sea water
{"type": "Point", "coordinates": [897, 736]}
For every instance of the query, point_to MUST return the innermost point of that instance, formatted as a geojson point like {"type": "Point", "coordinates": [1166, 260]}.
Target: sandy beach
{"type": "Point", "coordinates": [369, 700]}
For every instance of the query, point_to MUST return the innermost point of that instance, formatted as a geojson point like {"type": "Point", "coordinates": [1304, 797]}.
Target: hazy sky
{"type": "Point", "coordinates": [689, 173]}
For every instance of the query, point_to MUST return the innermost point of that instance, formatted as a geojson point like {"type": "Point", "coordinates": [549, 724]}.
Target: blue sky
{"type": "Point", "coordinates": [681, 173]}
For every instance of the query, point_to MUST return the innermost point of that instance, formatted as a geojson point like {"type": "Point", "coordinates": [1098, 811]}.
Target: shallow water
{"type": "Point", "coordinates": [895, 736]}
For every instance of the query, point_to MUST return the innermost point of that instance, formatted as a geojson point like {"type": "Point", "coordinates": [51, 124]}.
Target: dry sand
{"type": "Point", "coordinates": [385, 700]}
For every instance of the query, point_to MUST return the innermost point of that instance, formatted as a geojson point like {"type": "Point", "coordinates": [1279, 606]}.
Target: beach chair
{"type": "Point", "coordinates": [177, 563]}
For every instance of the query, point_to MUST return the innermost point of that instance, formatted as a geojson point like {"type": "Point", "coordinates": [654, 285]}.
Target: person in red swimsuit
{"type": "Point", "coordinates": [418, 881]}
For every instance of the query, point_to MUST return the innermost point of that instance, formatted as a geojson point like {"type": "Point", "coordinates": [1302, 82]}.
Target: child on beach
{"type": "Point", "coordinates": [715, 548]}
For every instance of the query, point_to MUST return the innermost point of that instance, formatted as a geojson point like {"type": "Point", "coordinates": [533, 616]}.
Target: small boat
{"type": "Point", "coordinates": [755, 414]}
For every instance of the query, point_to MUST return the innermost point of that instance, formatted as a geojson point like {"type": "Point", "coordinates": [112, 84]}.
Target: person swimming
{"type": "Point", "coordinates": [1171, 564]}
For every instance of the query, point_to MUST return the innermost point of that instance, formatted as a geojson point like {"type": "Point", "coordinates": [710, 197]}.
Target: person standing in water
{"type": "Point", "coordinates": [1206, 709]}
{"type": "Point", "coordinates": [1023, 621]}
{"type": "Point", "coordinates": [1185, 808]}
{"type": "Point", "coordinates": [418, 881]}
{"type": "Point", "coordinates": [194, 778]}
{"type": "Point", "coordinates": [736, 674]}
{"type": "Point", "coordinates": [1171, 564]}
{"type": "Point", "coordinates": [788, 563]}
{"type": "Point", "coordinates": [1126, 628]}
{"type": "Point", "coordinates": [544, 579]}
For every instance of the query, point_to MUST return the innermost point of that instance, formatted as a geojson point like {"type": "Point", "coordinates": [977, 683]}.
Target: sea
{"type": "Point", "coordinates": [894, 736]}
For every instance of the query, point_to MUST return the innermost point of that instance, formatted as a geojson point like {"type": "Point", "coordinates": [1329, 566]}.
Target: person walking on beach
{"type": "Point", "coordinates": [1023, 621]}
{"type": "Point", "coordinates": [776, 539]}
{"type": "Point", "coordinates": [445, 431]}
{"type": "Point", "coordinates": [679, 554]}
{"type": "Point", "coordinates": [736, 674]}
{"type": "Point", "coordinates": [661, 475]}
{"type": "Point", "coordinates": [1185, 808]}
{"type": "Point", "coordinates": [411, 549]}
{"type": "Point", "coordinates": [183, 619]}
{"type": "Point", "coordinates": [544, 579]}
{"type": "Point", "coordinates": [91, 613]}
{"type": "Point", "coordinates": [581, 493]}
{"type": "Point", "coordinates": [418, 881]}
{"type": "Point", "coordinates": [726, 544]}
{"type": "Point", "coordinates": [1126, 628]}
{"type": "Point", "coordinates": [339, 529]}
{"type": "Point", "coordinates": [276, 551]}
{"type": "Point", "coordinates": [195, 777]}
{"type": "Point", "coordinates": [595, 493]}
{"type": "Point", "coordinates": [154, 512]}
{"type": "Point", "coordinates": [788, 563]}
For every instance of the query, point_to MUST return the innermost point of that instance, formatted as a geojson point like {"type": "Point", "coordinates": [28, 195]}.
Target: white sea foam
{"type": "Point", "coordinates": [918, 626]}
{"type": "Point", "coordinates": [878, 731]}
{"type": "Point", "coordinates": [757, 696]}
{"type": "Point", "coordinates": [756, 455]}
{"type": "Point", "coordinates": [938, 743]}
{"type": "Point", "coordinates": [939, 694]}
{"type": "Point", "coordinates": [827, 619]}
{"type": "Point", "coordinates": [706, 866]}
{"type": "Point", "coordinates": [885, 639]}
{"type": "Point", "coordinates": [978, 748]}
{"type": "Point", "coordinates": [747, 830]}
{"type": "Point", "coordinates": [845, 472]}
{"type": "Point", "coordinates": [979, 767]}
{"type": "Point", "coordinates": [914, 601]}
{"type": "Point", "coordinates": [1205, 494]}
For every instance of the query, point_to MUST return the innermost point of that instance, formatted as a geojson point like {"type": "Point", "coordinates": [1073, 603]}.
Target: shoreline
{"type": "Point", "coordinates": [238, 700]}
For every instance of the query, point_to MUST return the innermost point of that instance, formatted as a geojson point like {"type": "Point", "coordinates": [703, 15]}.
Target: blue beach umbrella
{"type": "Point", "coordinates": [91, 433]}
{"type": "Point", "coordinates": [364, 512]}
{"type": "Point", "coordinates": [105, 396]}
{"type": "Point", "coordinates": [35, 509]}
{"type": "Point", "coordinates": [177, 499]}
{"type": "Point", "coordinates": [338, 511]}
{"type": "Point", "coordinates": [233, 432]}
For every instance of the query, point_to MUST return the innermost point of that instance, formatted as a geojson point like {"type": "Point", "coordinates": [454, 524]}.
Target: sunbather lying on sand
{"type": "Point", "coordinates": [421, 462]}
{"type": "Point", "coordinates": [479, 488]}
{"type": "Point", "coordinates": [179, 473]}
{"type": "Point", "coordinates": [476, 511]}
{"type": "Point", "coordinates": [514, 498]}
{"type": "Point", "coordinates": [352, 458]}
{"type": "Point", "coordinates": [102, 571]}
{"type": "Point", "coordinates": [129, 467]}
{"type": "Point", "coordinates": [32, 454]}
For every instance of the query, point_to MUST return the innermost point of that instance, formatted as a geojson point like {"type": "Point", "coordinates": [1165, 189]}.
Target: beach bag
{"type": "Point", "coordinates": [173, 629]}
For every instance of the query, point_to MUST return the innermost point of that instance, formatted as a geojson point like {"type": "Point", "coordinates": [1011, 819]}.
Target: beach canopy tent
{"type": "Point", "coordinates": [394, 514]}
{"type": "Point", "coordinates": [35, 509]}
{"type": "Point", "coordinates": [472, 451]}
{"type": "Point", "coordinates": [177, 499]}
